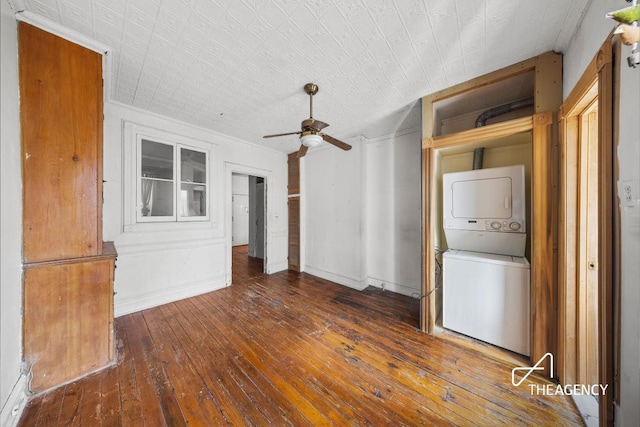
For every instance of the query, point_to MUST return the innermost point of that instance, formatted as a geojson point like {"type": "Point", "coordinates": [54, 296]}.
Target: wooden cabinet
{"type": "Point", "coordinates": [294, 233]}
{"type": "Point", "coordinates": [61, 116]}
{"type": "Point", "coordinates": [68, 271]}
{"type": "Point", "coordinates": [293, 163]}
{"type": "Point", "coordinates": [68, 317]}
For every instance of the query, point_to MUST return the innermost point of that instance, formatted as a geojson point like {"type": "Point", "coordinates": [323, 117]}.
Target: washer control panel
{"type": "Point", "coordinates": [497, 225]}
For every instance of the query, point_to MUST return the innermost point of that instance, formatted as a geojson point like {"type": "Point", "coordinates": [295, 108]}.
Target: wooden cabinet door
{"type": "Point", "coordinates": [68, 319]}
{"type": "Point", "coordinates": [62, 118]}
{"type": "Point", "coordinates": [293, 169]}
{"type": "Point", "coordinates": [294, 233]}
{"type": "Point", "coordinates": [293, 186]}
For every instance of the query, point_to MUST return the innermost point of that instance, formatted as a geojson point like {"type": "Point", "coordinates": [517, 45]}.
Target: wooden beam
{"type": "Point", "coordinates": [484, 133]}
{"type": "Point", "coordinates": [543, 257]}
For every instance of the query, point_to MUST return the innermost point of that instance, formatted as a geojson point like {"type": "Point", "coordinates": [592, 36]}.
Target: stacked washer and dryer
{"type": "Point", "coordinates": [485, 272]}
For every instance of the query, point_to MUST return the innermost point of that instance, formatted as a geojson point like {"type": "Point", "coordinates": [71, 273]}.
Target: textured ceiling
{"type": "Point", "coordinates": [238, 66]}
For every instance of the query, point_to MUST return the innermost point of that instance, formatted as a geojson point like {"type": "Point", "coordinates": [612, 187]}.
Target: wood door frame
{"type": "Point", "coordinates": [595, 83]}
{"type": "Point", "coordinates": [542, 230]}
{"type": "Point", "coordinates": [547, 69]}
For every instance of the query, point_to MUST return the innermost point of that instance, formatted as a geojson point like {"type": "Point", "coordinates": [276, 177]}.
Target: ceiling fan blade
{"type": "Point", "coordinates": [331, 140]}
{"type": "Point", "coordinates": [319, 125]}
{"type": "Point", "coordinates": [302, 151]}
{"type": "Point", "coordinates": [282, 134]}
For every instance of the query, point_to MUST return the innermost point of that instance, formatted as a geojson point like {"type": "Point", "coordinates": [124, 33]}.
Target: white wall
{"type": "Point", "coordinates": [393, 206]}
{"type": "Point", "coordinates": [361, 213]}
{"type": "Point", "coordinates": [589, 37]}
{"type": "Point", "coordinates": [333, 214]}
{"type": "Point", "coordinates": [629, 161]}
{"type": "Point", "coordinates": [12, 384]}
{"type": "Point", "coordinates": [157, 264]}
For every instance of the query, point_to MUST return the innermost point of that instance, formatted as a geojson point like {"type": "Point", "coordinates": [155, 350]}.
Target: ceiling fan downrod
{"type": "Point", "coordinates": [311, 90]}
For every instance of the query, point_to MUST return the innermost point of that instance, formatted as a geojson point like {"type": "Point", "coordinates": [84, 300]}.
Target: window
{"type": "Point", "coordinates": [171, 181]}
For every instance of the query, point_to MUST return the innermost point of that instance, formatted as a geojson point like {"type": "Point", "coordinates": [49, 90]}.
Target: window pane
{"type": "Point", "coordinates": [193, 200]}
{"type": "Point", "coordinates": [157, 160]}
{"type": "Point", "coordinates": [193, 166]}
{"type": "Point", "coordinates": [156, 197]}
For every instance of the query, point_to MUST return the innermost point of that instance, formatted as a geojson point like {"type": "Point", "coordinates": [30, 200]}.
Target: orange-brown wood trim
{"type": "Point", "coordinates": [108, 251]}
{"type": "Point", "coordinates": [605, 237]}
{"type": "Point", "coordinates": [585, 83]}
{"type": "Point", "coordinates": [567, 247]}
{"type": "Point", "coordinates": [427, 306]}
{"type": "Point", "coordinates": [617, 274]}
{"type": "Point", "coordinates": [543, 259]}
{"type": "Point", "coordinates": [548, 83]}
{"type": "Point", "coordinates": [480, 134]}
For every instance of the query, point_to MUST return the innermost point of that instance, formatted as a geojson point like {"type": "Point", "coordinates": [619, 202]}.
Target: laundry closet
{"type": "Point", "coordinates": [488, 182]}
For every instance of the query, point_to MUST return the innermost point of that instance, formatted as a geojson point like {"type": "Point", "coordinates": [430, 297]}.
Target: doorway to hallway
{"type": "Point", "coordinates": [248, 225]}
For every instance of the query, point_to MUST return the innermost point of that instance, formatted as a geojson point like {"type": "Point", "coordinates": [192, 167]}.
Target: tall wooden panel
{"type": "Point", "coordinates": [293, 163]}
{"type": "Point", "coordinates": [543, 240]}
{"type": "Point", "coordinates": [61, 115]}
{"type": "Point", "coordinates": [68, 272]}
{"type": "Point", "coordinates": [294, 233]}
{"type": "Point", "coordinates": [68, 318]}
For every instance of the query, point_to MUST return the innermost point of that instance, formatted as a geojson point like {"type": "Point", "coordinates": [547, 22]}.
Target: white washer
{"type": "Point", "coordinates": [486, 296]}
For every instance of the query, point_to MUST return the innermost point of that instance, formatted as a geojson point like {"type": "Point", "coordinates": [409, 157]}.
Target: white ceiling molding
{"type": "Point", "coordinates": [75, 37]}
{"type": "Point", "coordinates": [62, 31]}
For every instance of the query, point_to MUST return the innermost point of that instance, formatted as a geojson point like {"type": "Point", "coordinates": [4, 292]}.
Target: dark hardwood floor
{"type": "Point", "coordinates": [292, 349]}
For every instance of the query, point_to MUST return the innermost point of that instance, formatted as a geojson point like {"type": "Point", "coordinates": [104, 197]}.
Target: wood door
{"type": "Point", "coordinates": [294, 233]}
{"type": "Point", "coordinates": [293, 163]}
{"type": "Point", "coordinates": [585, 268]}
{"type": "Point", "coordinates": [61, 116]}
{"type": "Point", "coordinates": [587, 260]}
{"type": "Point", "coordinates": [68, 319]}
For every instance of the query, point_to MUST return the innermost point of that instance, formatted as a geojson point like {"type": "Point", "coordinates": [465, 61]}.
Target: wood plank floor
{"type": "Point", "coordinates": [293, 350]}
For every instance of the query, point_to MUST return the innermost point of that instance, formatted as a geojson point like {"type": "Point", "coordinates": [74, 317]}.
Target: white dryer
{"type": "Point", "coordinates": [484, 210]}
{"type": "Point", "coordinates": [486, 296]}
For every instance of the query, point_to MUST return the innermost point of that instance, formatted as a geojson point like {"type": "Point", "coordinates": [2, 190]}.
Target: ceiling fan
{"type": "Point", "coordinates": [310, 133]}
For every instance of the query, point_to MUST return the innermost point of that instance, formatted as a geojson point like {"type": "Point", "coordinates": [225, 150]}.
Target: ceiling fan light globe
{"type": "Point", "coordinates": [311, 140]}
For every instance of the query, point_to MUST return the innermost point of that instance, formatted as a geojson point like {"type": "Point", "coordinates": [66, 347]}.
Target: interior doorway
{"type": "Point", "coordinates": [246, 218]}
{"type": "Point", "coordinates": [248, 225]}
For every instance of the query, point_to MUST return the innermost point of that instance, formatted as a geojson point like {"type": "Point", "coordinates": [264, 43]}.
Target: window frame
{"type": "Point", "coordinates": [133, 218]}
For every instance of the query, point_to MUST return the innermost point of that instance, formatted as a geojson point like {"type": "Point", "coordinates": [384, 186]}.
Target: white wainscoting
{"type": "Point", "coordinates": [148, 275]}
